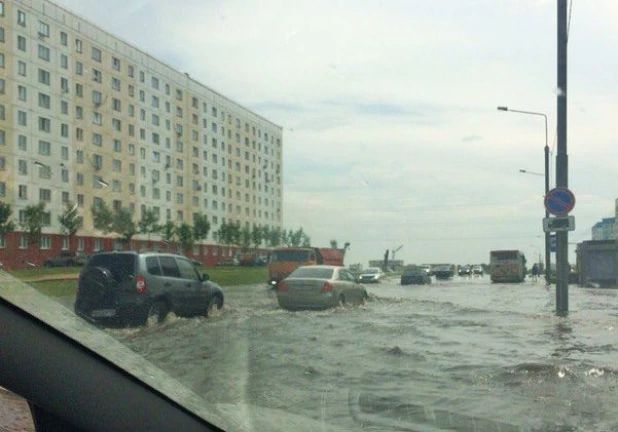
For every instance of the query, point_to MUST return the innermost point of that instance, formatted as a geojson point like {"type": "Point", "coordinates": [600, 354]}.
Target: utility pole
{"type": "Point", "coordinates": [394, 251]}
{"type": "Point", "coordinates": [562, 161]}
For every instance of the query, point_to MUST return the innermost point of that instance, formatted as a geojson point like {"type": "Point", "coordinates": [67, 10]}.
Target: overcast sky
{"type": "Point", "coordinates": [391, 133]}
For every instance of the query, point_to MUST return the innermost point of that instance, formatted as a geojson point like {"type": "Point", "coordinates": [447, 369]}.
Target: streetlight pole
{"type": "Point", "coordinates": [547, 234]}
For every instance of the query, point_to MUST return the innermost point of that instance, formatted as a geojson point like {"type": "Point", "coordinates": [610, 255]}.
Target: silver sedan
{"type": "Point", "coordinates": [319, 287]}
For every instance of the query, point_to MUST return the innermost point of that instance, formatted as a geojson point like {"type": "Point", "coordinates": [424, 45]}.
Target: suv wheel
{"type": "Point", "coordinates": [156, 313]}
{"type": "Point", "coordinates": [215, 303]}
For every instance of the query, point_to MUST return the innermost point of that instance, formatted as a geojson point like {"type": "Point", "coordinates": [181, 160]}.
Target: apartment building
{"type": "Point", "coordinates": [86, 117]}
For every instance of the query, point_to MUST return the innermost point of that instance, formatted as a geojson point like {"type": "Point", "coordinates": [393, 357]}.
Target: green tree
{"type": "Point", "coordinates": [185, 236]}
{"type": "Point", "coordinates": [102, 217]}
{"type": "Point", "coordinates": [149, 223]}
{"type": "Point", "coordinates": [245, 238]}
{"type": "Point", "coordinates": [6, 224]}
{"type": "Point", "coordinates": [201, 227]}
{"type": "Point", "coordinates": [34, 218]}
{"type": "Point", "coordinates": [275, 236]}
{"type": "Point", "coordinates": [306, 240]}
{"type": "Point", "coordinates": [70, 221]}
{"type": "Point", "coordinates": [257, 235]}
{"type": "Point", "coordinates": [168, 232]}
{"type": "Point", "coordinates": [296, 237]}
{"type": "Point", "coordinates": [123, 225]}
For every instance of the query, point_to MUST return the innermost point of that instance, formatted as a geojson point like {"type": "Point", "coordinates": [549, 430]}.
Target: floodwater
{"type": "Point", "coordinates": [462, 354]}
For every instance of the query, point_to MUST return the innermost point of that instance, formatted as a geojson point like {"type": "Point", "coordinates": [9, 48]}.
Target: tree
{"type": "Point", "coordinates": [275, 236]}
{"type": "Point", "coordinates": [306, 240]}
{"type": "Point", "coordinates": [6, 224]}
{"type": "Point", "coordinates": [149, 223]}
{"type": "Point", "coordinates": [257, 234]}
{"type": "Point", "coordinates": [201, 227]}
{"type": "Point", "coordinates": [168, 232]}
{"type": "Point", "coordinates": [102, 217]}
{"type": "Point", "coordinates": [185, 235]}
{"type": "Point", "coordinates": [123, 225]}
{"type": "Point", "coordinates": [333, 244]}
{"type": "Point", "coordinates": [245, 238]}
{"type": "Point", "coordinates": [70, 221]}
{"type": "Point", "coordinates": [34, 217]}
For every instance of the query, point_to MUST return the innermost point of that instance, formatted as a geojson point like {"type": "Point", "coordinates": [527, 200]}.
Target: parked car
{"type": "Point", "coordinates": [426, 268]}
{"type": "Point", "coordinates": [444, 271]}
{"type": "Point", "coordinates": [477, 270]}
{"type": "Point", "coordinates": [416, 276]}
{"type": "Point", "coordinates": [371, 275]}
{"type": "Point", "coordinates": [228, 262]}
{"type": "Point", "coordinates": [66, 259]}
{"type": "Point", "coordinates": [131, 288]}
{"type": "Point", "coordinates": [319, 287]}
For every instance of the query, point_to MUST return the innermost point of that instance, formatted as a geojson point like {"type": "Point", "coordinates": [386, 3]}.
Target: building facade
{"type": "Point", "coordinates": [604, 229]}
{"type": "Point", "coordinates": [87, 118]}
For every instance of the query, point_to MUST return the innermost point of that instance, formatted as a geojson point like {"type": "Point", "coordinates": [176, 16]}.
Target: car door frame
{"type": "Point", "coordinates": [349, 286]}
{"type": "Point", "coordinates": [194, 291]}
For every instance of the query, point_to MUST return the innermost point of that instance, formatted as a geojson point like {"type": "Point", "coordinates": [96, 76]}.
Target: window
{"type": "Point", "coordinates": [64, 85]}
{"type": "Point", "coordinates": [64, 175]}
{"type": "Point", "coordinates": [64, 152]}
{"type": "Point", "coordinates": [43, 52]}
{"type": "Point", "coordinates": [21, 18]}
{"type": "Point", "coordinates": [117, 146]}
{"type": "Point", "coordinates": [116, 63]}
{"type": "Point", "coordinates": [116, 84]}
{"type": "Point", "coordinates": [64, 61]}
{"type": "Point", "coordinates": [78, 45]}
{"type": "Point", "coordinates": [79, 112]}
{"type": "Point", "coordinates": [131, 90]}
{"type": "Point", "coordinates": [1, 60]}
{"type": "Point", "coordinates": [21, 43]}
{"type": "Point", "coordinates": [64, 130]}
{"type": "Point", "coordinates": [64, 39]}
{"type": "Point", "coordinates": [79, 68]}
{"type": "Point", "coordinates": [23, 240]}
{"type": "Point", "coordinates": [22, 142]}
{"type": "Point", "coordinates": [22, 118]}
{"type": "Point", "coordinates": [79, 90]}
{"type": "Point", "coordinates": [2, 190]}
{"type": "Point", "coordinates": [44, 148]}
{"type": "Point", "coordinates": [44, 77]}
{"type": "Point", "coordinates": [45, 195]}
{"type": "Point", "coordinates": [116, 125]}
{"type": "Point", "coordinates": [21, 68]}
{"type": "Point", "coordinates": [97, 75]}
{"type": "Point", "coordinates": [96, 54]}
{"type": "Point", "coordinates": [79, 179]}
{"type": "Point", "coordinates": [116, 106]}
{"type": "Point", "coordinates": [44, 124]}
{"type": "Point", "coordinates": [97, 139]}
{"type": "Point", "coordinates": [97, 118]}
{"type": "Point", "coordinates": [79, 134]}
{"type": "Point", "coordinates": [22, 94]}
{"type": "Point", "coordinates": [22, 192]}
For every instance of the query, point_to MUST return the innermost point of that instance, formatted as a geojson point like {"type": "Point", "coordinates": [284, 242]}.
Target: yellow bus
{"type": "Point", "coordinates": [507, 266]}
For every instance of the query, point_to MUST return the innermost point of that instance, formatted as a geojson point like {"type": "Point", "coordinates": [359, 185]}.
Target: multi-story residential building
{"type": "Point", "coordinates": [87, 118]}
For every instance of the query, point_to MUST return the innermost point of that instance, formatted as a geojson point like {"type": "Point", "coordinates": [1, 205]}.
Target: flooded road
{"type": "Point", "coordinates": [462, 354]}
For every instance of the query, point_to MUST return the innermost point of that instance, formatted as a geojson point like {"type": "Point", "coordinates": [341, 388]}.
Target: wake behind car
{"type": "Point", "coordinates": [416, 276]}
{"type": "Point", "coordinates": [371, 275]}
{"type": "Point", "coordinates": [131, 288]}
{"type": "Point", "coordinates": [319, 287]}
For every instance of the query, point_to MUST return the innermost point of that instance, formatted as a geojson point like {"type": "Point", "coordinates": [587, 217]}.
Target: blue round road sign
{"type": "Point", "coordinates": [559, 201]}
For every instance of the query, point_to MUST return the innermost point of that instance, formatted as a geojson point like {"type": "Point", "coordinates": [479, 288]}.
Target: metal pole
{"type": "Point", "coordinates": [562, 161]}
{"type": "Point", "coordinates": [547, 234]}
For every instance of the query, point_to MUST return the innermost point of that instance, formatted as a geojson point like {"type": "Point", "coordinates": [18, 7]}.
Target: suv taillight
{"type": "Point", "coordinates": [140, 284]}
{"type": "Point", "coordinates": [327, 287]}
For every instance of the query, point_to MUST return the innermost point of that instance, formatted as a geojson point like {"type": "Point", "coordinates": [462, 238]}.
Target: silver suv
{"type": "Point", "coordinates": [130, 288]}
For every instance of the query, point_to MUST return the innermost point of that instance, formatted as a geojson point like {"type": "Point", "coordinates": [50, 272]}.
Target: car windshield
{"type": "Point", "coordinates": [242, 140]}
{"type": "Point", "coordinates": [312, 273]}
{"type": "Point", "coordinates": [290, 255]}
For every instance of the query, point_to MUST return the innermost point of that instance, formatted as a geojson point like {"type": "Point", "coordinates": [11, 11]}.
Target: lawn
{"type": "Point", "coordinates": [224, 276]}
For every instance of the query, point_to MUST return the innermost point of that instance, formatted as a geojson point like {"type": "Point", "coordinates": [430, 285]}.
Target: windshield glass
{"type": "Point", "coordinates": [377, 135]}
{"type": "Point", "coordinates": [290, 255]}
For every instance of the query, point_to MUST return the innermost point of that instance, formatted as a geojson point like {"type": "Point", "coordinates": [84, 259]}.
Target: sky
{"type": "Point", "coordinates": [391, 134]}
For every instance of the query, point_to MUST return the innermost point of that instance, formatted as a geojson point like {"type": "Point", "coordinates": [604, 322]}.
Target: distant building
{"type": "Point", "coordinates": [604, 230]}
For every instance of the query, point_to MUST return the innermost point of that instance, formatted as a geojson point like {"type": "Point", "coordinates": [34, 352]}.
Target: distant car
{"type": "Point", "coordinates": [465, 270]}
{"type": "Point", "coordinates": [65, 259]}
{"type": "Point", "coordinates": [319, 287]}
{"type": "Point", "coordinates": [130, 288]}
{"type": "Point", "coordinates": [477, 270]}
{"type": "Point", "coordinates": [416, 276]}
{"type": "Point", "coordinates": [426, 268]}
{"type": "Point", "coordinates": [445, 271]}
{"type": "Point", "coordinates": [371, 275]}
{"type": "Point", "coordinates": [228, 262]}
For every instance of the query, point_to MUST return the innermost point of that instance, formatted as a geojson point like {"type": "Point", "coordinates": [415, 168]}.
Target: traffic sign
{"type": "Point", "coordinates": [559, 224]}
{"type": "Point", "coordinates": [559, 201]}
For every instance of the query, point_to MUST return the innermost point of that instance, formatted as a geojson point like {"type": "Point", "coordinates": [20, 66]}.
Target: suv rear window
{"type": "Point", "coordinates": [121, 265]}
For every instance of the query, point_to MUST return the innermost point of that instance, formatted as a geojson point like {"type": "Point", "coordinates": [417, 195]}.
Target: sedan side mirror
{"type": "Point", "coordinates": [205, 277]}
